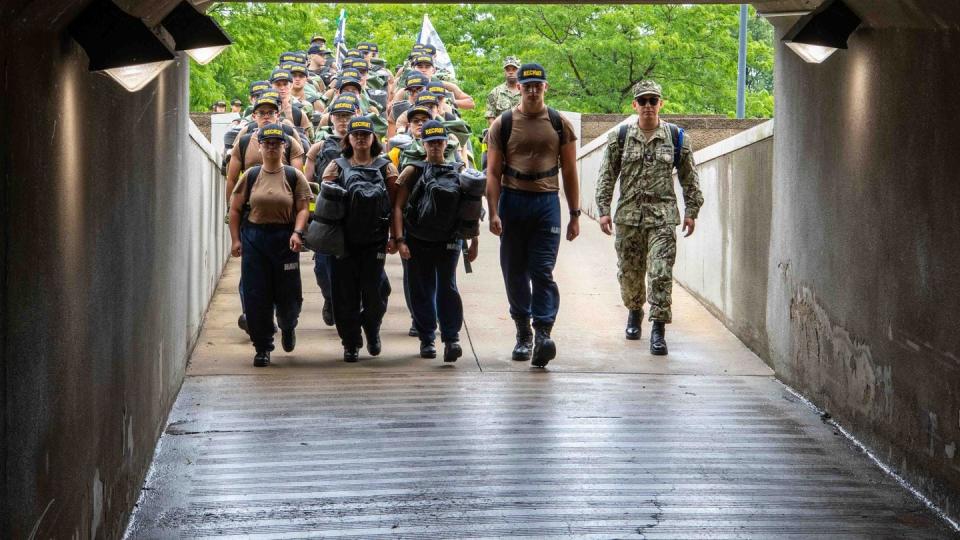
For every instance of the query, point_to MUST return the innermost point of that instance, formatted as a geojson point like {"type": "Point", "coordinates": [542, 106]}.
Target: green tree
{"type": "Point", "coordinates": [593, 54]}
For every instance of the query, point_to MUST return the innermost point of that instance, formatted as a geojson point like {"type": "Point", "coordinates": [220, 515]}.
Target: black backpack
{"type": "Point", "coordinates": [253, 174]}
{"type": "Point", "coordinates": [432, 212]}
{"type": "Point", "coordinates": [506, 126]}
{"type": "Point", "coordinates": [330, 151]}
{"type": "Point", "coordinates": [368, 203]}
{"type": "Point", "coordinates": [245, 142]}
{"type": "Point", "coordinates": [676, 135]}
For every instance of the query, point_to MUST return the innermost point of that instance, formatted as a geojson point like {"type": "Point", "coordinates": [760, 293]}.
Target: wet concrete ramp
{"type": "Point", "coordinates": [608, 442]}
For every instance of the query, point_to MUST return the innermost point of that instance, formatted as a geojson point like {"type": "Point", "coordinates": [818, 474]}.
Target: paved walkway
{"type": "Point", "coordinates": [608, 442]}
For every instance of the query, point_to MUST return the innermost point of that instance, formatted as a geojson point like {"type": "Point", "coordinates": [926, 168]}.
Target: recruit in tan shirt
{"type": "Point", "coordinates": [271, 201]}
{"type": "Point", "coordinates": [533, 147]}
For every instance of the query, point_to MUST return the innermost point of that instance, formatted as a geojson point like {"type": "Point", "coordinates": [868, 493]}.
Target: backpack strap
{"type": "Point", "coordinates": [676, 135]}
{"type": "Point", "coordinates": [297, 109]}
{"type": "Point", "coordinates": [622, 140]}
{"type": "Point", "coordinates": [253, 174]}
{"type": "Point", "coordinates": [243, 144]}
{"type": "Point", "coordinates": [291, 174]}
{"type": "Point", "coordinates": [557, 122]}
{"type": "Point", "coordinates": [506, 126]}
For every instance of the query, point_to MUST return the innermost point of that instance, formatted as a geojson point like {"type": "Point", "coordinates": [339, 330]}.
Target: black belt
{"type": "Point", "coordinates": [510, 171]}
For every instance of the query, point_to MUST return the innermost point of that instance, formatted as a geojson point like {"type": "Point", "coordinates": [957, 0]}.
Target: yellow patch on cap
{"type": "Point", "coordinates": [347, 106]}
{"type": "Point", "coordinates": [435, 131]}
{"type": "Point", "coordinates": [260, 87]}
{"type": "Point", "coordinates": [532, 73]}
{"type": "Point", "coordinates": [361, 124]}
{"type": "Point", "coordinates": [267, 132]}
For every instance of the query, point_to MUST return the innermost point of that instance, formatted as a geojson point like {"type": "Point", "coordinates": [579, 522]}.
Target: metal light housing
{"type": "Point", "coordinates": [120, 45]}
{"type": "Point", "coordinates": [821, 32]}
{"type": "Point", "coordinates": [197, 34]}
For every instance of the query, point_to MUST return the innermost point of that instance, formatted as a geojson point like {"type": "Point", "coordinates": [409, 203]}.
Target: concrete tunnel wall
{"type": "Point", "coordinates": [101, 297]}
{"type": "Point", "coordinates": [863, 290]}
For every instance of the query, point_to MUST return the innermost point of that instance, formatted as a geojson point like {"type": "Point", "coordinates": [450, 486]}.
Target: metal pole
{"type": "Point", "coordinates": [742, 64]}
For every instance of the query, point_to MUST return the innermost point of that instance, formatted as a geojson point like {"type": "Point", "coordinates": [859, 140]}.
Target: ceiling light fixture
{"type": "Point", "coordinates": [821, 32]}
{"type": "Point", "coordinates": [197, 34]}
{"type": "Point", "coordinates": [120, 45]}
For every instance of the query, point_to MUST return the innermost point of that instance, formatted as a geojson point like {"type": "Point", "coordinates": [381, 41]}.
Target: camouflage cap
{"type": "Point", "coordinates": [430, 49]}
{"type": "Point", "coordinates": [236, 102]}
{"type": "Point", "coordinates": [221, 103]}
{"type": "Point", "coordinates": [643, 88]}
{"type": "Point", "coordinates": [511, 61]}
{"type": "Point", "coordinates": [318, 37]}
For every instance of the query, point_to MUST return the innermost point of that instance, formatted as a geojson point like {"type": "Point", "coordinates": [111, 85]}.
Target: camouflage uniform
{"type": "Point", "coordinates": [647, 215]}
{"type": "Point", "coordinates": [501, 99]}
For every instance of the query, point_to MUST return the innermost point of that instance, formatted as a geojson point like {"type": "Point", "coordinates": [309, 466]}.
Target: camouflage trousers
{"type": "Point", "coordinates": [645, 256]}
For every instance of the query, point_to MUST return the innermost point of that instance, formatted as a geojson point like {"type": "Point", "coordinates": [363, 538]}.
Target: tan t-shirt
{"type": "Point", "coordinates": [533, 147]}
{"type": "Point", "coordinates": [271, 201]}
{"type": "Point", "coordinates": [252, 155]}
{"type": "Point", "coordinates": [333, 171]}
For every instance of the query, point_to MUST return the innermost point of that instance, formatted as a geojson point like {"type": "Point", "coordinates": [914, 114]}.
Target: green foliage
{"type": "Point", "coordinates": [593, 54]}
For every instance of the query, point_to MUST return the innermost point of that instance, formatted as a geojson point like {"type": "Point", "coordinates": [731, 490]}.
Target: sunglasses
{"type": "Point", "coordinates": [648, 101]}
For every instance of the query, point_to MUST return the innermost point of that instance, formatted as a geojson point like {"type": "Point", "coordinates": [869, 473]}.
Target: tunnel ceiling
{"type": "Point", "coordinates": [21, 16]}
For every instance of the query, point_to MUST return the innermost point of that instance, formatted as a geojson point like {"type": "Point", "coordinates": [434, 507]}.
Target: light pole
{"type": "Point", "coordinates": [742, 64]}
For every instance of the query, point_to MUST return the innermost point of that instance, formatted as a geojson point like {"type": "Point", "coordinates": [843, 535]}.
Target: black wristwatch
{"type": "Point", "coordinates": [299, 233]}
{"type": "Point", "coordinates": [576, 213]}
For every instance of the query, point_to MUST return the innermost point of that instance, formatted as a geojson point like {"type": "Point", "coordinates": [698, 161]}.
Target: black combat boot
{"type": "Point", "coordinates": [658, 345]}
{"type": "Point", "coordinates": [327, 313]}
{"type": "Point", "coordinates": [262, 359]}
{"type": "Point", "coordinates": [521, 351]}
{"type": "Point", "coordinates": [633, 324]}
{"type": "Point", "coordinates": [427, 350]}
{"type": "Point", "coordinates": [544, 349]}
{"type": "Point", "coordinates": [452, 351]}
{"type": "Point", "coordinates": [288, 339]}
{"type": "Point", "coordinates": [373, 341]}
{"type": "Point", "coordinates": [351, 354]}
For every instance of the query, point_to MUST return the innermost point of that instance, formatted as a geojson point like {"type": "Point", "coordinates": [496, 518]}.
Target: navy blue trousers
{"type": "Point", "coordinates": [529, 245]}
{"type": "Point", "coordinates": [321, 269]}
{"type": "Point", "coordinates": [270, 281]}
{"type": "Point", "coordinates": [432, 281]}
{"type": "Point", "coordinates": [360, 292]}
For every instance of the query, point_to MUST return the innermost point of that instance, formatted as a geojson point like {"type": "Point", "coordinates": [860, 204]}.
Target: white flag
{"type": "Point", "coordinates": [429, 36]}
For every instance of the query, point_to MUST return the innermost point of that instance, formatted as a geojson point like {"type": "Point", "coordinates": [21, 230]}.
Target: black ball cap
{"type": "Point", "coordinates": [532, 73]}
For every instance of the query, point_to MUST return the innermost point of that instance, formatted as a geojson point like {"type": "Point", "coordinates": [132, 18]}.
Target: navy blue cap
{"type": "Point", "coordinates": [360, 124]}
{"type": "Point", "coordinates": [258, 87]}
{"type": "Point", "coordinates": [314, 49]}
{"type": "Point", "coordinates": [343, 105]}
{"type": "Point", "coordinates": [344, 81]}
{"type": "Point", "coordinates": [280, 75]}
{"type": "Point", "coordinates": [427, 98]}
{"type": "Point", "coordinates": [531, 73]}
{"type": "Point", "coordinates": [433, 131]}
{"type": "Point", "coordinates": [271, 131]}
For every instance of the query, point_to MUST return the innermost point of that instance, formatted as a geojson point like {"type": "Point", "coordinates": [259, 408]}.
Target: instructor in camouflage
{"type": "Point", "coordinates": [647, 215]}
{"type": "Point", "coordinates": [507, 95]}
